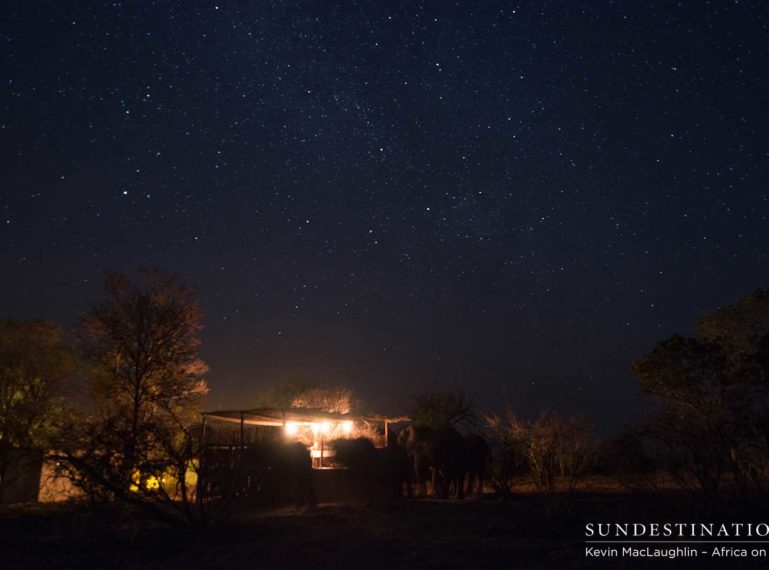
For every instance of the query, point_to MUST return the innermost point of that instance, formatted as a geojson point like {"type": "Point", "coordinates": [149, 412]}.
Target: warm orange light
{"type": "Point", "coordinates": [347, 427]}
{"type": "Point", "coordinates": [292, 428]}
{"type": "Point", "coordinates": [321, 427]}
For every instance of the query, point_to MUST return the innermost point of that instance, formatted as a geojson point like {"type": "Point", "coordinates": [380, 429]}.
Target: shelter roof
{"type": "Point", "coordinates": [279, 416]}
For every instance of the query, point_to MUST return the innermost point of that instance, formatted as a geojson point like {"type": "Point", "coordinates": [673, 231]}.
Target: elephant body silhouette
{"type": "Point", "coordinates": [378, 474]}
{"type": "Point", "coordinates": [445, 457]}
{"type": "Point", "coordinates": [436, 454]}
{"type": "Point", "coordinates": [476, 454]}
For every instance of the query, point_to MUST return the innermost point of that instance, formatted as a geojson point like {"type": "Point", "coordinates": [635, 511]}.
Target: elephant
{"type": "Point", "coordinates": [439, 451]}
{"type": "Point", "coordinates": [475, 456]}
{"type": "Point", "coordinates": [449, 458]}
{"type": "Point", "coordinates": [378, 473]}
{"type": "Point", "coordinates": [277, 473]}
{"type": "Point", "coordinates": [397, 468]}
{"type": "Point", "coordinates": [415, 440]}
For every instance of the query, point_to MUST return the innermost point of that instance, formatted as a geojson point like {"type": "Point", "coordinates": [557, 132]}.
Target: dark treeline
{"type": "Point", "coordinates": [135, 434]}
{"type": "Point", "coordinates": [705, 426]}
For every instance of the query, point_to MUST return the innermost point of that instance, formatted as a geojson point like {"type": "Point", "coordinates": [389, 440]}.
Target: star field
{"type": "Point", "coordinates": [518, 199]}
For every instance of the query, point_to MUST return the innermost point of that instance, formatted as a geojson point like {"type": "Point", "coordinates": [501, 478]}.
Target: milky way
{"type": "Point", "coordinates": [515, 199]}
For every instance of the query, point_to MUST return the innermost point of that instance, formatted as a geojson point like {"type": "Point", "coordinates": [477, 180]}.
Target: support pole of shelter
{"type": "Point", "coordinates": [241, 431]}
{"type": "Point", "coordinates": [199, 490]}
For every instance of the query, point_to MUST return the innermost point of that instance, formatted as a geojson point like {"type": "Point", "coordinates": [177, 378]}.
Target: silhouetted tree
{"type": "Point", "coordinates": [443, 409]}
{"type": "Point", "coordinates": [710, 397]}
{"type": "Point", "coordinates": [33, 364]}
{"type": "Point", "coordinates": [741, 331]}
{"type": "Point", "coordinates": [308, 393]}
{"type": "Point", "coordinates": [577, 451]}
{"type": "Point", "coordinates": [691, 415]}
{"type": "Point", "coordinates": [549, 445]}
{"type": "Point", "coordinates": [141, 345]}
{"type": "Point", "coordinates": [627, 458]}
{"type": "Point", "coordinates": [508, 460]}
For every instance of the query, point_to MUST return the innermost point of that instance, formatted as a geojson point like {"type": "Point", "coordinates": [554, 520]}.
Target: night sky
{"type": "Point", "coordinates": [517, 199]}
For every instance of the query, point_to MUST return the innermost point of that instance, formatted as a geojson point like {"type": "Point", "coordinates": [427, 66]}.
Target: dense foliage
{"type": "Point", "coordinates": [709, 398]}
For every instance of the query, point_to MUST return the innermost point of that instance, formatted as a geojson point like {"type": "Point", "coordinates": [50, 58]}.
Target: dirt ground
{"type": "Point", "coordinates": [526, 530]}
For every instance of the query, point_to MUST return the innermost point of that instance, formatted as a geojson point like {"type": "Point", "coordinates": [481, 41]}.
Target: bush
{"type": "Point", "coordinates": [548, 446]}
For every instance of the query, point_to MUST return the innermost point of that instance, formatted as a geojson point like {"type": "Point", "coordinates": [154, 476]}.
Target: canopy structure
{"type": "Point", "coordinates": [279, 417]}
{"type": "Point", "coordinates": [314, 428]}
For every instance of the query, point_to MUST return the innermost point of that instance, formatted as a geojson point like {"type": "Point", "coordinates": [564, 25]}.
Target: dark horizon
{"type": "Point", "coordinates": [514, 200]}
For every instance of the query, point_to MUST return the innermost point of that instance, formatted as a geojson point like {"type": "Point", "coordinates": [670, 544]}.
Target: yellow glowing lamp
{"type": "Point", "coordinates": [347, 427]}
{"type": "Point", "coordinates": [292, 428]}
{"type": "Point", "coordinates": [151, 483]}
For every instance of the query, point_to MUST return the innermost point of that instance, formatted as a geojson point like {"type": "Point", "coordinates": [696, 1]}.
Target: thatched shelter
{"type": "Point", "coordinates": [240, 429]}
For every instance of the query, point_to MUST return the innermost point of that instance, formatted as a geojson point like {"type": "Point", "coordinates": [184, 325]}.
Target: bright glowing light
{"type": "Point", "coordinates": [321, 427]}
{"type": "Point", "coordinates": [347, 427]}
{"type": "Point", "coordinates": [151, 483]}
{"type": "Point", "coordinates": [291, 428]}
